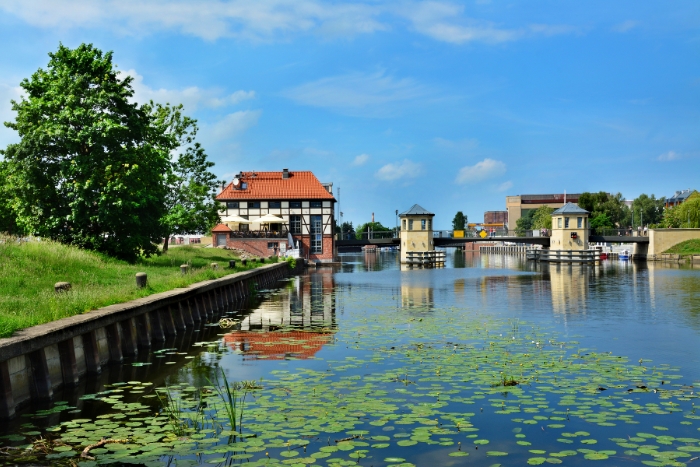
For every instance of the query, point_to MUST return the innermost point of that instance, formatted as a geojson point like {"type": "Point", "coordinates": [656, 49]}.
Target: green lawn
{"type": "Point", "coordinates": [689, 247]}
{"type": "Point", "coordinates": [28, 272]}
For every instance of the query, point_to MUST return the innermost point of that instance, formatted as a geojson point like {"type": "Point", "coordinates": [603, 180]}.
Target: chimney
{"type": "Point", "coordinates": [372, 218]}
{"type": "Point", "coordinates": [285, 173]}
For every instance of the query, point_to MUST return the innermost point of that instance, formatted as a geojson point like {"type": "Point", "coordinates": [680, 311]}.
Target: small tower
{"type": "Point", "coordinates": [416, 231]}
{"type": "Point", "coordinates": [570, 228]}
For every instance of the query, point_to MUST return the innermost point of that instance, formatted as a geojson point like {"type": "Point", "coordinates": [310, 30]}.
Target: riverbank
{"type": "Point", "coordinates": [28, 272]}
{"type": "Point", "coordinates": [689, 247]}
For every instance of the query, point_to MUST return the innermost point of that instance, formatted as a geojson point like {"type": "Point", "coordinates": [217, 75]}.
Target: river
{"type": "Point", "coordinates": [490, 360]}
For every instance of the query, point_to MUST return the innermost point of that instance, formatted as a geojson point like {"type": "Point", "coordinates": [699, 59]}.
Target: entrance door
{"type": "Point", "coordinates": [220, 239]}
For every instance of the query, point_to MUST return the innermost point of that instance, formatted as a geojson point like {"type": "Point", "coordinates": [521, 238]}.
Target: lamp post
{"type": "Point", "coordinates": [397, 223]}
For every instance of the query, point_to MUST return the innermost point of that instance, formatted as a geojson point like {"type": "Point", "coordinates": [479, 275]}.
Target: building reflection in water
{"type": "Point", "coordinates": [417, 291]}
{"type": "Point", "coordinates": [569, 285]}
{"type": "Point", "coordinates": [296, 322]}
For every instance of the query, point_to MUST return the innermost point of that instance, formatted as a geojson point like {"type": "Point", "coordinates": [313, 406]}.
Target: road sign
{"type": "Point", "coordinates": [483, 234]}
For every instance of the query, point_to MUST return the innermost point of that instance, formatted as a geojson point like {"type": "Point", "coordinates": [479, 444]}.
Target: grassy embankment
{"type": "Point", "coordinates": [688, 247]}
{"type": "Point", "coordinates": [28, 272]}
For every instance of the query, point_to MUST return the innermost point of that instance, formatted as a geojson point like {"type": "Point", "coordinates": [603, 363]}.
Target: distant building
{"type": "Point", "coordinates": [678, 197]}
{"type": "Point", "coordinates": [518, 206]}
{"type": "Point", "coordinates": [496, 218]}
{"type": "Point", "coordinates": [259, 210]}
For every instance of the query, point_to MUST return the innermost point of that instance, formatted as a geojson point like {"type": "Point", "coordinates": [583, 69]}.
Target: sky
{"type": "Point", "coordinates": [451, 105]}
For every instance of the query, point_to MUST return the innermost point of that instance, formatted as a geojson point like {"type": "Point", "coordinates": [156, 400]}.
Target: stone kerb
{"type": "Point", "coordinates": [40, 336]}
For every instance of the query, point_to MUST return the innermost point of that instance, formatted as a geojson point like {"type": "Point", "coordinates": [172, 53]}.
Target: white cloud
{"type": "Point", "coordinates": [625, 26]}
{"type": "Point", "coordinates": [361, 159]}
{"type": "Point", "coordinates": [191, 97]}
{"type": "Point", "coordinates": [356, 92]}
{"type": "Point", "coordinates": [505, 186]}
{"type": "Point", "coordinates": [232, 124]}
{"type": "Point", "coordinates": [405, 169]}
{"type": "Point", "coordinates": [669, 156]}
{"type": "Point", "coordinates": [488, 168]}
{"type": "Point", "coordinates": [264, 19]}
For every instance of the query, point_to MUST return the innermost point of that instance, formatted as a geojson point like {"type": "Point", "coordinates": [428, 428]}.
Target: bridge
{"type": "Point", "coordinates": [458, 242]}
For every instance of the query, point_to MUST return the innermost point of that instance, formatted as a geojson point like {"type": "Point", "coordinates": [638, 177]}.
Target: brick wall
{"type": "Point", "coordinates": [255, 246]}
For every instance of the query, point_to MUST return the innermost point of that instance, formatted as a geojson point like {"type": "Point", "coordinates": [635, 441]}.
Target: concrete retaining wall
{"type": "Point", "coordinates": [40, 359]}
{"type": "Point", "coordinates": [661, 240]}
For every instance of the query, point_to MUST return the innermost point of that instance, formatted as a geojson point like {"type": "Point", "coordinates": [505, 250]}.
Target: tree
{"type": "Point", "coordinates": [89, 168]}
{"type": "Point", "coordinates": [542, 218]}
{"type": "Point", "coordinates": [460, 221]}
{"type": "Point", "coordinates": [190, 186]}
{"type": "Point", "coordinates": [612, 206]}
{"type": "Point", "coordinates": [8, 219]}
{"type": "Point", "coordinates": [686, 215]}
{"type": "Point", "coordinates": [364, 229]}
{"type": "Point", "coordinates": [346, 230]}
{"type": "Point", "coordinates": [524, 224]}
{"type": "Point", "coordinates": [600, 223]}
{"type": "Point", "coordinates": [647, 210]}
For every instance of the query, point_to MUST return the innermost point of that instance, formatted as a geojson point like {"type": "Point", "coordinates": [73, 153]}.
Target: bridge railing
{"type": "Point", "coordinates": [374, 235]}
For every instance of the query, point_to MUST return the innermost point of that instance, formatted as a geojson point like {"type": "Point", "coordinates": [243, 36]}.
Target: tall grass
{"type": "Point", "coordinates": [29, 270]}
{"type": "Point", "coordinates": [688, 247]}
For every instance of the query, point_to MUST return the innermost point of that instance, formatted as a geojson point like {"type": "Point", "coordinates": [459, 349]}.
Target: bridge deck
{"type": "Point", "coordinates": [448, 241]}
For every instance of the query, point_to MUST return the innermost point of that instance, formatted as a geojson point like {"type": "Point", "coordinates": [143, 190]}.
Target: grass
{"type": "Point", "coordinates": [28, 272]}
{"type": "Point", "coordinates": [688, 247]}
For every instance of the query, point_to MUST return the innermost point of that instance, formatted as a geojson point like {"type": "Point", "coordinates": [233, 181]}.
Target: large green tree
{"type": "Point", "coordinates": [190, 185]}
{"type": "Point", "coordinates": [612, 206]}
{"type": "Point", "coordinates": [89, 168]}
{"type": "Point", "coordinates": [460, 221]}
{"type": "Point", "coordinates": [686, 215]}
{"type": "Point", "coordinates": [524, 224]}
{"type": "Point", "coordinates": [363, 229]}
{"type": "Point", "coordinates": [542, 218]}
{"type": "Point", "coordinates": [647, 210]}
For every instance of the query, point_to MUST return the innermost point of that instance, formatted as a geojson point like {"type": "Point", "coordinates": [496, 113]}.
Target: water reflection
{"type": "Point", "coordinates": [568, 285]}
{"type": "Point", "coordinates": [307, 305]}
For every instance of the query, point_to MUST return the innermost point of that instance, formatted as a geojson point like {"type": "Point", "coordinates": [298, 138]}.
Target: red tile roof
{"type": "Point", "coordinates": [277, 345]}
{"type": "Point", "coordinates": [271, 185]}
{"type": "Point", "coordinates": [222, 228]}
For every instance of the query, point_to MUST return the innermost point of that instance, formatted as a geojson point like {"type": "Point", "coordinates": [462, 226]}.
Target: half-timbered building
{"type": "Point", "coordinates": [260, 210]}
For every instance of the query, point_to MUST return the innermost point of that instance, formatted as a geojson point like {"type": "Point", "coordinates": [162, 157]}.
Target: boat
{"type": "Point", "coordinates": [603, 256]}
{"type": "Point", "coordinates": [624, 255]}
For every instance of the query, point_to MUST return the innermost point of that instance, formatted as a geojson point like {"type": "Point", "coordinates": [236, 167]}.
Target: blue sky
{"type": "Point", "coordinates": [451, 105]}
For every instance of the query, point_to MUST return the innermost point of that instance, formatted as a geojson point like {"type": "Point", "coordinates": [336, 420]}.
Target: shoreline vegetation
{"type": "Point", "coordinates": [29, 270]}
{"type": "Point", "coordinates": [688, 247]}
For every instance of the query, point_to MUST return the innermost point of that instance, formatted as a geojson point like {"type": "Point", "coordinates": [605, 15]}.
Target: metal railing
{"type": "Point", "coordinates": [258, 234]}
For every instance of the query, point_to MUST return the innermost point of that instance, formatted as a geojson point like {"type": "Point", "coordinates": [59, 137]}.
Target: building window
{"type": "Point", "coordinates": [559, 222]}
{"type": "Point", "coordinates": [244, 185]}
{"type": "Point", "coordinates": [253, 204]}
{"type": "Point", "coordinates": [403, 223]}
{"type": "Point", "coordinates": [410, 224]}
{"type": "Point", "coordinates": [232, 204]}
{"type": "Point", "coordinates": [274, 204]}
{"type": "Point", "coordinates": [316, 234]}
{"type": "Point", "coordinates": [422, 224]}
{"type": "Point", "coordinates": [316, 204]}
{"type": "Point", "coordinates": [271, 245]}
{"type": "Point", "coordinates": [579, 222]}
{"type": "Point", "coordinates": [566, 222]}
{"type": "Point", "coordinates": [295, 224]}
{"type": "Point", "coordinates": [430, 224]}
{"type": "Point", "coordinates": [243, 227]}
{"type": "Point", "coordinates": [295, 204]}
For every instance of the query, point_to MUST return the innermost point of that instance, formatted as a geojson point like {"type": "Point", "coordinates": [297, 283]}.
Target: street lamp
{"type": "Point", "coordinates": [397, 223]}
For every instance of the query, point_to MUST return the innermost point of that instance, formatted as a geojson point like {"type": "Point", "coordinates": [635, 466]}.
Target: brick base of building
{"type": "Point", "coordinates": [265, 247]}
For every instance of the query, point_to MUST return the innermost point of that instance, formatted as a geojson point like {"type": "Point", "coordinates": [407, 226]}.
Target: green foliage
{"type": "Point", "coordinates": [688, 247]}
{"type": "Point", "coordinates": [373, 226]}
{"type": "Point", "coordinates": [601, 222]}
{"type": "Point", "coordinates": [89, 167]}
{"type": "Point", "coordinates": [28, 272]}
{"type": "Point", "coordinates": [686, 215]}
{"type": "Point", "coordinates": [8, 218]}
{"type": "Point", "coordinates": [647, 210]}
{"type": "Point", "coordinates": [524, 224]}
{"type": "Point", "coordinates": [190, 186]}
{"type": "Point", "coordinates": [292, 262]}
{"type": "Point", "coordinates": [542, 218]}
{"type": "Point", "coordinates": [347, 230]}
{"type": "Point", "coordinates": [612, 206]}
{"type": "Point", "coordinates": [460, 221]}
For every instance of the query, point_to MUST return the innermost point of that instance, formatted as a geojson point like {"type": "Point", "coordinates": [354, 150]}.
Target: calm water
{"type": "Point", "coordinates": [370, 334]}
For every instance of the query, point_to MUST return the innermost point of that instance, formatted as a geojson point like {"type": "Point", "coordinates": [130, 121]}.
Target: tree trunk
{"type": "Point", "coordinates": [166, 242]}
